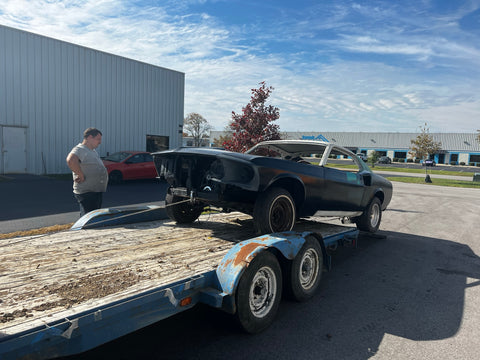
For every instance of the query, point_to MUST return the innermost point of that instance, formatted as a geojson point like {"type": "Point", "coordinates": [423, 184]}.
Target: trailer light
{"type": "Point", "coordinates": [186, 301]}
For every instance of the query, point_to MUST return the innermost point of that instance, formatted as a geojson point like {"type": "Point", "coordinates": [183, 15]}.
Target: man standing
{"type": "Point", "coordinates": [90, 177]}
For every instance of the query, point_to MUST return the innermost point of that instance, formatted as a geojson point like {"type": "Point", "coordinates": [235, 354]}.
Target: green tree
{"type": "Point", "coordinates": [374, 156]}
{"type": "Point", "coordinates": [423, 146]}
{"type": "Point", "coordinates": [197, 127]}
{"type": "Point", "coordinates": [255, 123]}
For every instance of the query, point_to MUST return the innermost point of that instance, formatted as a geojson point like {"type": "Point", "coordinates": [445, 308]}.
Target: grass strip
{"type": "Point", "coordinates": [438, 182]}
{"type": "Point", "coordinates": [40, 231]}
{"type": "Point", "coordinates": [406, 170]}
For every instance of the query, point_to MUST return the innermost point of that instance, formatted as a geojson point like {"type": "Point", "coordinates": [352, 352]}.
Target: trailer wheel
{"type": "Point", "coordinates": [274, 211]}
{"type": "Point", "coordinates": [305, 271]}
{"type": "Point", "coordinates": [370, 220]}
{"type": "Point", "coordinates": [182, 213]}
{"type": "Point", "coordinates": [258, 293]}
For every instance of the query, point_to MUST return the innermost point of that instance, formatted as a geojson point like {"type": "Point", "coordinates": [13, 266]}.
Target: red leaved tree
{"type": "Point", "coordinates": [255, 123]}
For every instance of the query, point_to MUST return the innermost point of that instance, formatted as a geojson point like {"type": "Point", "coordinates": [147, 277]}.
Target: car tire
{"type": "Point", "coordinates": [258, 293]}
{"type": "Point", "coordinates": [370, 220]}
{"type": "Point", "coordinates": [304, 272]}
{"type": "Point", "coordinates": [183, 213]}
{"type": "Point", "coordinates": [115, 177]}
{"type": "Point", "coordinates": [274, 211]}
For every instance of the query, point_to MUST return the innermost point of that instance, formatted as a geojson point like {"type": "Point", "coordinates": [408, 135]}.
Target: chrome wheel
{"type": "Point", "coordinates": [375, 215]}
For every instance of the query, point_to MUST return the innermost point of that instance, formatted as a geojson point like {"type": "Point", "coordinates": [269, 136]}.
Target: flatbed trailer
{"type": "Point", "coordinates": [68, 292]}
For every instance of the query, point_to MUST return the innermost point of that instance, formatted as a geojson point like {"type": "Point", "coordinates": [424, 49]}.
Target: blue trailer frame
{"type": "Point", "coordinates": [101, 324]}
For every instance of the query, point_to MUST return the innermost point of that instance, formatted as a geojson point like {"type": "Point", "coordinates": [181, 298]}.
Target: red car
{"type": "Point", "coordinates": [129, 165]}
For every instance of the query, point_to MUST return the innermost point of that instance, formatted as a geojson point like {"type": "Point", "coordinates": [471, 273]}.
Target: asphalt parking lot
{"type": "Point", "coordinates": [412, 293]}
{"type": "Point", "coordinates": [32, 201]}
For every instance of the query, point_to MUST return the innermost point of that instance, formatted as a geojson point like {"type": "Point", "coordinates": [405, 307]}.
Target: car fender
{"type": "Point", "coordinates": [286, 179]}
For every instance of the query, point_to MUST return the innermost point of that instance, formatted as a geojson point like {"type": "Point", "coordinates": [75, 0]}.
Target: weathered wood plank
{"type": "Point", "coordinates": [52, 276]}
{"type": "Point", "coordinates": [42, 275]}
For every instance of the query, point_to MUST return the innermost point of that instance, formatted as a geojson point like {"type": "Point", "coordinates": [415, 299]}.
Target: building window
{"type": "Point", "coordinates": [157, 143]}
{"type": "Point", "coordinates": [475, 158]}
{"type": "Point", "coordinates": [453, 159]}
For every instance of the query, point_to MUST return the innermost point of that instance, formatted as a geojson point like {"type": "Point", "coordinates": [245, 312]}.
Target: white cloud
{"type": "Point", "coordinates": [382, 73]}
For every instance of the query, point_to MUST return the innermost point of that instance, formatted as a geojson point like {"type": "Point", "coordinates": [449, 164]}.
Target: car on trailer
{"type": "Point", "coordinates": [277, 182]}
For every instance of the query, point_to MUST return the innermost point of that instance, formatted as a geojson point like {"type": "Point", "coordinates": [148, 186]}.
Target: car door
{"type": "Point", "coordinates": [134, 168]}
{"type": "Point", "coordinates": [344, 182]}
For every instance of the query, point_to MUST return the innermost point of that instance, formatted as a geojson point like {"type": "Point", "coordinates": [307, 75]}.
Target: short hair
{"type": "Point", "coordinates": [91, 132]}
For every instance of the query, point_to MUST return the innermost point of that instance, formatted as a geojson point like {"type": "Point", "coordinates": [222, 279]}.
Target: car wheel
{"type": "Point", "coordinates": [182, 213]}
{"type": "Point", "coordinates": [370, 219]}
{"type": "Point", "coordinates": [274, 211]}
{"type": "Point", "coordinates": [258, 293]}
{"type": "Point", "coordinates": [115, 177]}
{"type": "Point", "coordinates": [305, 271]}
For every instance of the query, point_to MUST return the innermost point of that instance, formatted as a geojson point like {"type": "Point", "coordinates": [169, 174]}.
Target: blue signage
{"type": "Point", "coordinates": [313, 137]}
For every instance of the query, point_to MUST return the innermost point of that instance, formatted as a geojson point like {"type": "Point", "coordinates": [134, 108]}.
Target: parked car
{"type": "Point", "coordinates": [273, 183]}
{"type": "Point", "coordinates": [384, 160]}
{"type": "Point", "coordinates": [362, 156]}
{"type": "Point", "coordinates": [429, 162]}
{"type": "Point", "coordinates": [129, 165]}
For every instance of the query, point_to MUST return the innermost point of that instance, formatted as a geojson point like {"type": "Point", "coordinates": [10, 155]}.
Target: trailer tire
{"type": "Point", "coordinates": [370, 220]}
{"type": "Point", "coordinates": [183, 213]}
{"type": "Point", "coordinates": [274, 211]}
{"type": "Point", "coordinates": [304, 272]}
{"type": "Point", "coordinates": [258, 293]}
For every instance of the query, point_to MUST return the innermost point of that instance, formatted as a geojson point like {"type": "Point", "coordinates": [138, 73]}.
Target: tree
{"type": "Point", "coordinates": [423, 146]}
{"type": "Point", "coordinates": [374, 156]}
{"type": "Point", "coordinates": [197, 127]}
{"type": "Point", "coordinates": [255, 123]}
{"type": "Point", "coordinates": [222, 139]}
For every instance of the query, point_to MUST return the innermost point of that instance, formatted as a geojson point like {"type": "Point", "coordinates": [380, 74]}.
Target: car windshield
{"type": "Point", "coordinates": [118, 156]}
{"type": "Point", "coordinates": [288, 151]}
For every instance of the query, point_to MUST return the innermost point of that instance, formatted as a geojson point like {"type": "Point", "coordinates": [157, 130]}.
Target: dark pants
{"type": "Point", "coordinates": [89, 201]}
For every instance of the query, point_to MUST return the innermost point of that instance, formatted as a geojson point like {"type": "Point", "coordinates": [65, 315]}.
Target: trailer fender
{"type": "Point", "coordinates": [239, 256]}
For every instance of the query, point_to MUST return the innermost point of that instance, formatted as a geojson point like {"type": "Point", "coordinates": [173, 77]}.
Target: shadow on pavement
{"type": "Point", "coordinates": [405, 285]}
{"type": "Point", "coordinates": [26, 196]}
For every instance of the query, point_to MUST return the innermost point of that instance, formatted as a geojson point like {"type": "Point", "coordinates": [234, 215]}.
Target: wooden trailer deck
{"type": "Point", "coordinates": [44, 278]}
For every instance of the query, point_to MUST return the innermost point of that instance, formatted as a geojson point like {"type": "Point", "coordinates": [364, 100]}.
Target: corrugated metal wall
{"type": "Point", "coordinates": [56, 89]}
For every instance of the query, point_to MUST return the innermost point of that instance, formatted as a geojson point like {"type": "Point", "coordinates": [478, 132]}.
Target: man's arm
{"type": "Point", "coordinates": [73, 163]}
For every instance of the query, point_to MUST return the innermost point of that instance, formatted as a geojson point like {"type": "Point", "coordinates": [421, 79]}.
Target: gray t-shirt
{"type": "Point", "coordinates": [96, 175]}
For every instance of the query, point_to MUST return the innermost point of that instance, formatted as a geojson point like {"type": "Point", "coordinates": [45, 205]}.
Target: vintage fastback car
{"type": "Point", "coordinates": [277, 182]}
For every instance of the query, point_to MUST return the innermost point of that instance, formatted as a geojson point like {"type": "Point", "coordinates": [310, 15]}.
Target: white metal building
{"type": "Point", "coordinates": [456, 148]}
{"type": "Point", "coordinates": [51, 91]}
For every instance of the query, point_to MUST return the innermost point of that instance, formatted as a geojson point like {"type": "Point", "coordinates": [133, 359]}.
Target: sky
{"type": "Point", "coordinates": [334, 65]}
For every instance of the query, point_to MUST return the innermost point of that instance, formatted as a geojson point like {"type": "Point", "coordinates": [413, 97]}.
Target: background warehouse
{"type": "Point", "coordinates": [51, 90]}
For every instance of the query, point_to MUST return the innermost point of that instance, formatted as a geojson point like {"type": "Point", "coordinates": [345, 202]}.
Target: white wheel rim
{"type": "Point", "coordinates": [375, 215]}
{"type": "Point", "coordinates": [263, 291]}
{"type": "Point", "coordinates": [309, 268]}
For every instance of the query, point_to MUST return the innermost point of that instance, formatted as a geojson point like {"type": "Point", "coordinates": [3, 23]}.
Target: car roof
{"type": "Point", "coordinates": [131, 152]}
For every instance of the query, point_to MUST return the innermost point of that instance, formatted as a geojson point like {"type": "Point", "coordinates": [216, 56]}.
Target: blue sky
{"type": "Point", "coordinates": [334, 65]}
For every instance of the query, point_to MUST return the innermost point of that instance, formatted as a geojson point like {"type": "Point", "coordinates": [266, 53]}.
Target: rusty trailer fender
{"type": "Point", "coordinates": [239, 256]}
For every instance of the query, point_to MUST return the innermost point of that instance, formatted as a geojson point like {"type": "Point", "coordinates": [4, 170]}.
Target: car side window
{"type": "Point", "coordinates": [147, 157]}
{"type": "Point", "coordinates": [343, 161]}
{"type": "Point", "coordinates": [136, 159]}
